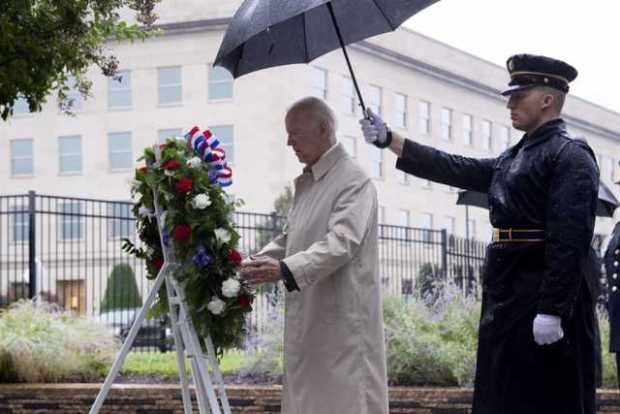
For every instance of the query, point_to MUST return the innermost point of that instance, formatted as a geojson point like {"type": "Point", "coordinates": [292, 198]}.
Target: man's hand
{"type": "Point", "coordinates": [261, 269]}
{"type": "Point", "coordinates": [374, 129]}
{"type": "Point", "coordinates": [547, 329]}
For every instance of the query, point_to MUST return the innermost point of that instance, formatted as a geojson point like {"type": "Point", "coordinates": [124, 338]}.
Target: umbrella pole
{"type": "Point", "coordinates": [346, 56]}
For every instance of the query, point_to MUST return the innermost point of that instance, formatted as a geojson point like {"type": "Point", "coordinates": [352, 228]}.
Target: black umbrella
{"type": "Point", "coordinates": [607, 201]}
{"type": "Point", "coordinates": [267, 33]}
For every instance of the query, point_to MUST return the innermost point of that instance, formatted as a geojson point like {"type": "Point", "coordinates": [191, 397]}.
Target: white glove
{"type": "Point", "coordinates": [374, 129]}
{"type": "Point", "coordinates": [547, 329]}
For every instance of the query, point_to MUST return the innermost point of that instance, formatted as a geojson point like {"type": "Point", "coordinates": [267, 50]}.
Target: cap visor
{"type": "Point", "coordinates": [515, 88]}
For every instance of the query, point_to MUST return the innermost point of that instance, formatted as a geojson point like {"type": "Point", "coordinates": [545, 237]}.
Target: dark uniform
{"type": "Point", "coordinates": [612, 269]}
{"type": "Point", "coordinates": [542, 195]}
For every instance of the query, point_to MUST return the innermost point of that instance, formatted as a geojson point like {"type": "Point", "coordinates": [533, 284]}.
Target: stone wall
{"type": "Point", "coordinates": [166, 399]}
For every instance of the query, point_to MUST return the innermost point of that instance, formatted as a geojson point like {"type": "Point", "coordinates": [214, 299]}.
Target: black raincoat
{"type": "Point", "coordinates": [612, 269]}
{"type": "Point", "coordinates": [547, 181]}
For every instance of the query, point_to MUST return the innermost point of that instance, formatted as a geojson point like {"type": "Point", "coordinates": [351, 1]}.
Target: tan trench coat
{"type": "Point", "coordinates": [333, 337]}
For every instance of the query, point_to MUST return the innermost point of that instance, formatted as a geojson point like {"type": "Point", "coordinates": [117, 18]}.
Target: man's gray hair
{"type": "Point", "coordinates": [317, 109]}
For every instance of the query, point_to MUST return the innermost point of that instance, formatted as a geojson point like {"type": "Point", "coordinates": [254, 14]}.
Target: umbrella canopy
{"type": "Point", "coordinates": [267, 33]}
{"type": "Point", "coordinates": [607, 201]}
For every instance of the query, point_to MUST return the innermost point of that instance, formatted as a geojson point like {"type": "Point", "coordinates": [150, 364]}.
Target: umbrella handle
{"type": "Point", "coordinates": [346, 57]}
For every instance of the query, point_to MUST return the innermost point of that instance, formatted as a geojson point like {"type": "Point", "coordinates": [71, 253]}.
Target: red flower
{"type": "Point", "coordinates": [158, 263]}
{"type": "Point", "coordinates": [245, 301]}
{"type": "Point", "coordinates": [235, 257]}
{"type": "Point", "coordinates": [182, 232]}
{"type": "Point", "coordinates": [171, 165]}
{"type": "Point", "coordinates": [184, 185]}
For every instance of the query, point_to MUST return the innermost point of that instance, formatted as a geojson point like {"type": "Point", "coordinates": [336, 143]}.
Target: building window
{"type": "Point", "coordinates": [119, 90]}
{"type": "Point", "coordinates": [404, 220]}
{"type": "Point", "coordinates": [376, 162]}
{"type": "Point", "coordinates": [71, 221]}
{"type": "Point", "coordinates": [70, 154]}
{"type": "Point", "coordinates": [376, 99]}
{"type": "Point", "coordinates": [119, 150]}
{"type": "Point", "coordinates": [404, 178]}
{"type": "Point", "coordinates": [220, 84]}
{"type": "Point", "coordinates": [400, 112]}
{"type": "Point", "coordinates": [350, 145]}
{"type": "Point", "coordinates": [22, 162]}
{"type": "Point", "coordinates": [472, 229]}
{"type": "Point", "coordinates": [487, 136]}
{"type": "Point", "coordinates": [468, 132]}
{"type": "Point", "coordinates": [349, 98]}
{"type": "Point", "coordinates": [446, 124]}
{"type": "Point", "coordinates": [504, 137]}
{"type": "Point", "coordinates": [74, 97]}
{"type": "Point", "coordinates": [426, 222]}
{"type": "Point", "coordinates": [20, 106]}
{"type": "Point", "coordinates": [424, 117]}
{"type": "Point", "coordinates": [225, 134]}
{"type": "Point", "coordinates": [381, 214]}
{"type": "Point", "coordinates": [170, 85]}
{"type": "Point", "coordinates": [609, 168]}
{"type": "Point", "coordinates": [164, 134]}
{"type": "Point", "coordinates": [449, 224]}
{"type": "Point", "coordinates": [120, 221]}
{"type": "Point", "coordinates": [319, 82]}
{"type": "Point", "coordinates": [19, 224]}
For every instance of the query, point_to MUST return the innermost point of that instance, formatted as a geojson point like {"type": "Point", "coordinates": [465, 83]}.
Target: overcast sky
{"type": "Point", "coordinates": [584, 33]}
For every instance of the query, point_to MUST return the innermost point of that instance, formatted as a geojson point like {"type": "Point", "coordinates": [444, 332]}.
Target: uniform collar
{"type": "Point", "coordinates": [326, 162]}
{"type": "Point", "coordinates": [544, 132]}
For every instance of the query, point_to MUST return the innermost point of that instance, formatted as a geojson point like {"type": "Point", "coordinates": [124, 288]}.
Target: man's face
{"type": "Point", "coordinates": [526, 108]}
{"type": "Point", "coordinates": [305, 135]}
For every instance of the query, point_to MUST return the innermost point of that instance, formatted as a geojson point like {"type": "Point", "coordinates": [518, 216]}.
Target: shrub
{"type": "Point", "coordinates": [42, 343]}
{"type": "Point", "coordinates": [121, 291]}
{"type": "Point", "coordinates": [264, 355]}
{"type": "Point", "coordinates": [432, 344]}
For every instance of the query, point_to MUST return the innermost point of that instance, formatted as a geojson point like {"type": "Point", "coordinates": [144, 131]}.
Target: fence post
{"type": "Point", "coordinates": [274, 225]}
{"type": "Point", "coordinates": [444, 253]}
{"type": "Point", "coordinates": [32, 254]}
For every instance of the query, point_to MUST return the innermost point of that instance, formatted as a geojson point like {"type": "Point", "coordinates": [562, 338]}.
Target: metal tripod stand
{"type": "Point", "coordinates": [186, 340]}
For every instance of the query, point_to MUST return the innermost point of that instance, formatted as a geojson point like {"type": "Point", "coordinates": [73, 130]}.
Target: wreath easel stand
{"type": "Point", "coordinates": [205, 368]}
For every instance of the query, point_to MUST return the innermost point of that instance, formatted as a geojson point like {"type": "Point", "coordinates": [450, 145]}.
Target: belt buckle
{"type": "Point", "coordinates": [496, 234]}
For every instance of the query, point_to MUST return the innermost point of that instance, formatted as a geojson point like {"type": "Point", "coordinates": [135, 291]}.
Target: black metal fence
{"type": "Point", "coordinates": [67, 251]}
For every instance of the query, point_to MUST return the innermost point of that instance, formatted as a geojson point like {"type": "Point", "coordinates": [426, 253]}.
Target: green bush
{"type": "Point", "coordinates": [121, 291]}
{"type": "Point", "coordinates": [42, 343]}
{"type": "Point", "coordinates": [610, 372]}
{"type": "Point", "coordinates": [432, 344]}
{"type": "Point", "coordinates": [264, 356]}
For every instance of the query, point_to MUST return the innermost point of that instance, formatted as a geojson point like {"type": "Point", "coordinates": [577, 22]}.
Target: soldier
{"type": "Point", "coordinates": [536, 347]}
{"type": "Point", "coordinates": [612, 258]}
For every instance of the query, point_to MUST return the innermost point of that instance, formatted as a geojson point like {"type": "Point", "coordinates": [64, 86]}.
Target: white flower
{"type": "Point", "coordinates": [201, 201]}
{"type": "Point", "coordinates": [222, 235]}
{"type": "Point", "coordinates": [216, 306]}
{"type": "Point", "coordinates": [229, 198]}
{"type": "Point", "coordinates": [230, 288]}
{"type": "Point", "coordinates": [194, 162]}
{"type": "Point", "coordinates": [135, 184]}
{"type": "Point", "coordinates": [145, 212]}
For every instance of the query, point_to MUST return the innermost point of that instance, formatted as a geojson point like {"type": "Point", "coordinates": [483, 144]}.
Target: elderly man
{"type": "Point", "coordinates": [327, 257]}
{"type": "Point", "coordinates": [536, 348]}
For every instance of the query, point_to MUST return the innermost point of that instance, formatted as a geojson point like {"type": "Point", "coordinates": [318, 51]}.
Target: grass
{"type": "Point", "coordinates": [152, 363]}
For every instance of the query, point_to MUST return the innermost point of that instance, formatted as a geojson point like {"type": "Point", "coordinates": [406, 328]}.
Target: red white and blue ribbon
{"type": "Point", "coordinates": [206, 146]}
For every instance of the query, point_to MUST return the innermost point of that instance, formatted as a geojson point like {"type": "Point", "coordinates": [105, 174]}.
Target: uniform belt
{"type": "Point", "coordinates": [518, 235]}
